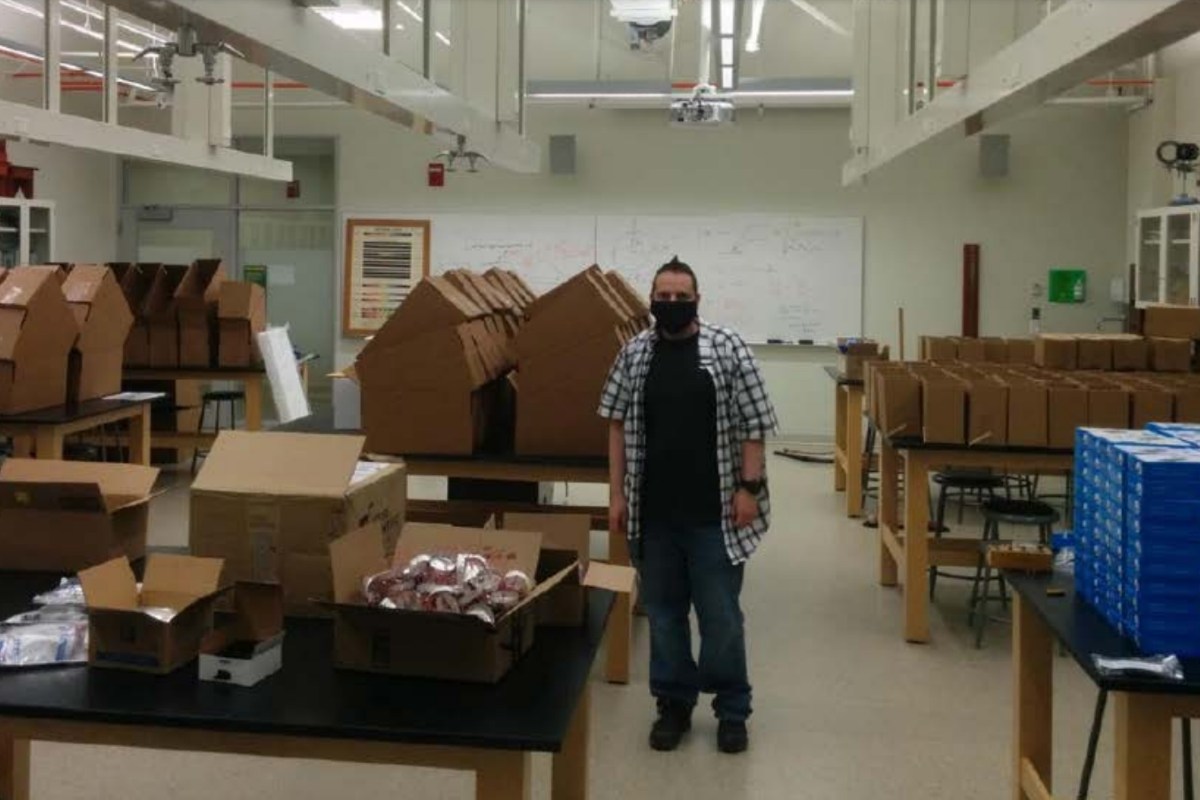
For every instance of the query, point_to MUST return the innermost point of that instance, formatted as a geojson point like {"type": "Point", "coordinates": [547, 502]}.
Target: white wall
{"type": "Point", "coordinates": [83, 185]}
{"type": "Point", "coordinates": [1064, 204]}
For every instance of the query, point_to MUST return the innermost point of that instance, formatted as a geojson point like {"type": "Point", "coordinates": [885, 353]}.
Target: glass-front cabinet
{"type": "Point", "coordinates": [1168, 256]}
{"type": "Point", "coordinates": [26, 232]}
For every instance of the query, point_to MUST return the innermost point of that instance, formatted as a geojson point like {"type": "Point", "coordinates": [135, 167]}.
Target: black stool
{"type": "Point", "coordinates": [1026, 513]}
{"type": "Point", "coordinates": [217, 399]}
{"type": "Point", "coordinates": [964, 482]}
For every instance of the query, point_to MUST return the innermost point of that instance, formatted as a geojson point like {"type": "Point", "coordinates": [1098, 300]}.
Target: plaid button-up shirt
{"type": "Point", "coordinates": [744, 413]}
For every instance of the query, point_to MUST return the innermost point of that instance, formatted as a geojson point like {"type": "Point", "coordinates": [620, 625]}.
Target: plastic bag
{"type": "Point", "coordinates": [1152, 666]}
{"type": "Point", "coordinates": [69, 592]}
{"type": "Point", "coordinates": [43, 644]}
{"type": "Point", "coordinates": [49, 614]}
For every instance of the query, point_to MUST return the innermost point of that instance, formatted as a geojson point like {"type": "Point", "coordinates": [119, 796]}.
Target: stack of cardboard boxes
{"type": "Point", "coordinates": [985, 404]}
{"type": "Point", "coordinates": [435, 377]}
{"type": "Point", "coordinates": [37, 332]}
{"type": "Point", "coordinates": [104, 320]}
{"type": "Point", "coordinates": [564, 352]}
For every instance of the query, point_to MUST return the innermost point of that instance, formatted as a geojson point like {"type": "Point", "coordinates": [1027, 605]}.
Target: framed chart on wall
{"type": "Point", "coordinates": [384, 259]}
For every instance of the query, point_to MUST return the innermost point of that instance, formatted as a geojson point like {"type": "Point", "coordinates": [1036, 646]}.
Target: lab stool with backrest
{"type": "Point", "coordinates": [218, 399]}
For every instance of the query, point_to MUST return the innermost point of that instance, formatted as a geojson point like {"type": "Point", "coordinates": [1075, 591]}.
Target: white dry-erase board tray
{"type": "Point", "coordinates": [769, 276]}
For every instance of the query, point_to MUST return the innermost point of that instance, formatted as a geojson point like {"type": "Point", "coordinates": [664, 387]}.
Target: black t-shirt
{"type": "Point", "coordinates": [682, 484]}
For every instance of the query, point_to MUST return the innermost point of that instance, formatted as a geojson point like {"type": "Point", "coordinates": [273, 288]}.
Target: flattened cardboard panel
{"type": "Point", "coordinates": [110, 585]}
{"type": "Point", "coordinates": [280, 463]}
{"type": "Point", "coordinates": [187, 575]}
{"type": "Point", "coordinates": [559, 531]}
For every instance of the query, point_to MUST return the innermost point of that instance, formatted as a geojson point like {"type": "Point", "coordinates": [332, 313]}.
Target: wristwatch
{"type": "Point", "coordinates": [753, 487]}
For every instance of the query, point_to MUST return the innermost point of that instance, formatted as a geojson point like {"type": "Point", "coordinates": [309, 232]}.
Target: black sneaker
{"type": "Point", "coordinates": [732, 736]}
{"type": "Point", "coordinates": [673, 722]}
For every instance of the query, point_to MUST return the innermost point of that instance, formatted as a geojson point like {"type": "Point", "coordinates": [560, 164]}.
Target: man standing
{"type": "Point", "coordinates": [688, 414]}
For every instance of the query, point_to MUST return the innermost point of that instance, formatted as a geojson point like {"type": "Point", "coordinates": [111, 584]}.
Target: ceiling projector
{"type": "Point", "coordinates": [704, 109]}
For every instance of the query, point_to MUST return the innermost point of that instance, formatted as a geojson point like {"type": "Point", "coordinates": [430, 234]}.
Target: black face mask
{"type": "Point", "coordinates": [673, 316]}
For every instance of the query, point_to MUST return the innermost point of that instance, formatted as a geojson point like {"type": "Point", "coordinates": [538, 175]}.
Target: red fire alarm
{"type": "Point", "coordinates": [293, 190]}
{"type": "Point", "coordinates": [437, 173]}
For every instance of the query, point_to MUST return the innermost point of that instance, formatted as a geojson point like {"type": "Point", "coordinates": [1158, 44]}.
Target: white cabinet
{"type": "Point", "coordinates": [1168, 257]}
{"type": "Point", "coordinates": [26, 231]}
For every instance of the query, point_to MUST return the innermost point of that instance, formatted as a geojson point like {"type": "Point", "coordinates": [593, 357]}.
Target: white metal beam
{"type": "Point", "coordinates": [296, 42]}
{"type": "Point", "coordinates": [112, 67]}
{"type": "Point", "coordinates": [25, 122]}
{"type": "Point", "coordinates": [52, 56]}
{"type": "Point", "coordinates": [1078, 41]}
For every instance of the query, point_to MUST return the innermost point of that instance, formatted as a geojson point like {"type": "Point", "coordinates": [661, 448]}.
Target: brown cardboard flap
{"type": "Point", "coordinates": [257, 462]}
{"type": "Point", "coordinates": [543, 586]}
{"type": "Point", "coordinates": [184, 575]}
{"type": "Point", "coordinates": [21, 285]}
{"type": "Point", "coordinates": [11, 322]}
{"type": "Point", "coordinates": [613, 577]}
{"type": "Point", "coordinates": [259, 609]}
{"type": "Point", "coordinates": [73, 497]}
{"type": "Point", "coordinates": [559, 531]}
{"type": "Point", "coordinates": [110, 585]}
{"type": "Point", "coordinates": [121, 485]}
{"type": "Point", "coordinates": [353, 557]}
{"type": "Point", "coordinates": [505, 550]}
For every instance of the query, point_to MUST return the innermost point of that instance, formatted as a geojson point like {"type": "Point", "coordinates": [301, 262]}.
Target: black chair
{"type": "Point", "coordinates": [228, 399]}
{"type": "Point", "coordinates": [964, 483]}
{"type": "Point", "coordinates": [1022, 513]}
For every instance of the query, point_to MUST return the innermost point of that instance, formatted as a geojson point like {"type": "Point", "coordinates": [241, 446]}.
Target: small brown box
{"type": "Point", "coordinates": [1056, 351]}
{"type": "Point", "coordinates": [1171, 355]}
{"type": "Point", "coordinates": [1130, 354]}
{"type": "Point", "coordinates": [995, 350]}
{"type": "Point", "coordinates": [1151, 404]}
{"type": "Point", "coordinates": [943, 410]}
{"type": "Point", "coordinates": [1095, 352]}
{"type": "Point", "coordinates": [972, 350]}
{"type": "Point", "coordinates": [939, 348]}
{"type": "Point", "coordinates": [987, 412]}
{"type": "Point", "coordinates": [1171, 322]}
{"type": "Point", "coordinates": [1187, 404]}
{"type": "Point", "coordinates": [1020, 351]}
{"type": "Point", "coordinates": [1068, 410]}
{"type": "Point", "coordinates": [898, 394]}
{"type": "Point", "coordinates": [241, 316]}
{"type": "Point", "coordinates": [1108, 407]}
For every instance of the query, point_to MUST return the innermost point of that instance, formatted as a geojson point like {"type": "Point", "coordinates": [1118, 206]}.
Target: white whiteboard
{"type": "Point", "coordinates": [768, 276]}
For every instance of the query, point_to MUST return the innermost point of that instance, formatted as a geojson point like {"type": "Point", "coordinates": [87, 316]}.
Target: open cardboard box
{"type": "Point", "coordinates": [430, 644]}
{"type": "Point", "coordinates": [135, 281]}
{"type": "Point", "coordinates": [241, 316]}
{"type": "Point", "coordinates": [64, 516]}
{"type": "Point", "coordinates": [268, 504]}
{"type": "Point", "coordinates": [196, 299]}
{"type": "Point", "coordinates": [37, 331]}
{"type": "Point", "coordinates": [249, 648]}
{"type": "Point", "coordinates": [161, 313]}
{"type": "Point", "coordinates": [567, 537]}
{"type": "Point", "coordinates": [158, 629]}
{"type": "Point", "coordinates": [104, 320]}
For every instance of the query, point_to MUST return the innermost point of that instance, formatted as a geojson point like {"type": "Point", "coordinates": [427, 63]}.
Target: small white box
{"type": "Point", "coordinates": [262, 661]}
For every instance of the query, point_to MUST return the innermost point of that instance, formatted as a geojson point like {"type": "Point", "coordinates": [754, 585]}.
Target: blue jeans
{"type": "Point", "coordinates": [682, 567]}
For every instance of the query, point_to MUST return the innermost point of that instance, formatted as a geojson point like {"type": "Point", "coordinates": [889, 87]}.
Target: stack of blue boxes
{"type": "Point", "coordinates": [1137, 533]}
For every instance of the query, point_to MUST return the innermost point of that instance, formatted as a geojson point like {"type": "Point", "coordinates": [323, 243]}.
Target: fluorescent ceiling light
{"type": "Point", "coordinates": [796, 94]}
{"type": "Point", "coordinates": [75, 67]}
{"type": "Point", "coordinates": [404, 7]}
{"type": "Point", "coordinates": [726, 49]}
{"type": "Point", "coordinates": [643, 12]}
{"type": "Point", "coordinates": [726, 77]}
{"type": "Point", "coordinates": [353, 19]}
{"type": "Point", "coordinates": [442, 38]}
{"type": "Point", "coordinates": [753, 44]}
{"type": "Point", "coordinates": [821, 17]}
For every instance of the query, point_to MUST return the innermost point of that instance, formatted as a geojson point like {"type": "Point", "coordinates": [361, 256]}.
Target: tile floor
{"type": "Point", "coordinates": [845, 709]}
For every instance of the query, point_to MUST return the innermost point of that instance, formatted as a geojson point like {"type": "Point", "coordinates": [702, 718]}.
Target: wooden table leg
{"type": "Point", "coordinates": [504, 776]}
{"type": "Point", "coordinates": [569, 770]}
{"type": "Point", "coordinates": [14, 769]}
{"type": "Point", "coordinates": [1142, 748]}
{"type": "Point", "coordinates": [888, 511]}
{"type": "Point", "coordinates": [139, 437]}
{"type": "Point", "coordinates": [839, 437]}
{"type": "Point", "coordinates": [916, 547]}
{"type": "Point", "coordinates": [254, 403]}
{"type": "Point", "coordinates": [1033, 695]}
{"type": "Point", "coordinates": [620, 621]}
{"type": "Point", "coordinates": [854, 451]}
{"type": "Point", "coordinates": [48, 440]}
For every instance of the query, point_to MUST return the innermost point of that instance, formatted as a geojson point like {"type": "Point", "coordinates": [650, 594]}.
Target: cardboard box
{"type": "Point", "coordinates": [158, 629]}
{"type": "Point", "coordinates": [853, 355]}
{"type": "Point", "coordinates": [1020, 351]}
{"type": "Point", "coordinates": [566, 535]}
{"type": "Point", "coordinates": [633, 299]}
{"type": "Point", "coordinates": [249, 648]}
{"type": "Point", "coordinates": [1171, 322]}
{"type": "Point", "coordinates": [104, 320]}
{"type": "Point", "coordinates": [995, 350]}
{"type": "Point", "coordinates": [1028, 413]}
{"type": "Point", "coordinates": [268, 504]}
{"type": "Point", "coordinates": [1171, 355]}
{"type": "Point", "coordinates": [196, 299]}
{"type": "Point", "coordinates": [161, 314]}
{"type": "Point", "coordinates": [241, 316]}
{"type": "Point", "coordinates": [1056, 351]}
{"type": "Point", "coordinates": [943, 410]}
{"type": "Point", "coordinates": [564, 352]}
{"type": "Point", "coordinates": [898, 395]}
{"type": "Point", "coordinates": [987, 412]}
{"type": "Point", "coordinates": [1151, 404]}
{"type": "Point", "coordinates": [1068, 410]}
{"type": "Point", "coordinates": [452, 646]}
{"type": "Point", "coordinates": [37, 331]}
{"type": "Point", "coordinates": [1108, 407]}
{"type": "Point", "coordinates": [135, 281]}
{"type": "Point", "coordinates": [1187, 404]}
{"type": "Point", "coordinates": [939, 348]}
{"type": "Point", "coordinates": [1130, 354]}
{"type": "Point", "coordinates": [1095, 352]}
{"type": "Point", "coordinates": [972, 350]}
{"type": "Point", "coordinates": [64, 516]}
